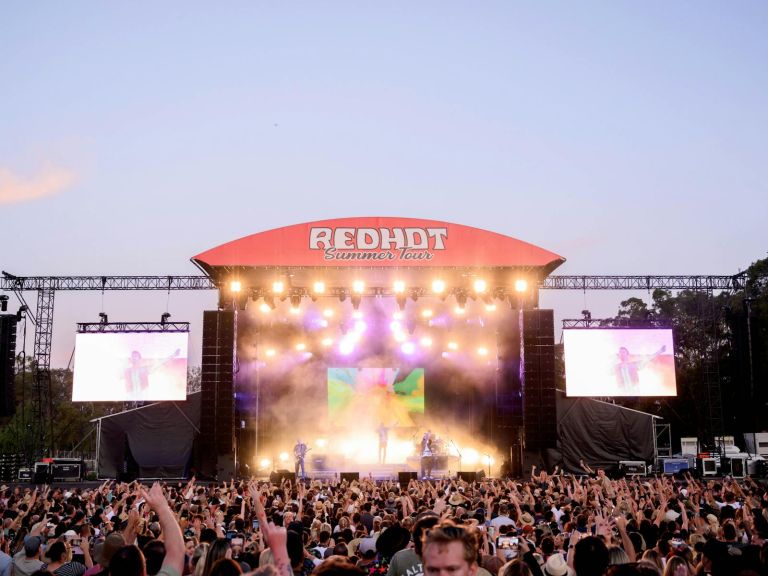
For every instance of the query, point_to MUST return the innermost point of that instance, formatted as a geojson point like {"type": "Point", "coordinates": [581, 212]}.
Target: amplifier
{"type": "Point", "coordinates": [67, 472]}
{"type": "Point", "coordinates": [25, 474]}
{"type": "Point", "coordinates": [735, 466]}
{"type": "Point", "coordinates": [674, 465]}
{"type": "Point", "coordinates": [707, 466]}
{"type": "Point", "coordinates": [632, 467]}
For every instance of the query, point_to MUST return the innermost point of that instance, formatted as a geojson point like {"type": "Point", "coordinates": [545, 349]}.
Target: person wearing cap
{"type": "Point", "coordinates": [27, 561]}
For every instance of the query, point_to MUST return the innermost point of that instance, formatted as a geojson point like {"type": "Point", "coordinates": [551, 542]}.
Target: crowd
{"type": "Point", "coordinates": [548, 525]}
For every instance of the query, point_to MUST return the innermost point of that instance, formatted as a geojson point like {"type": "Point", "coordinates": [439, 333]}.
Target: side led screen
{"type": "Point", "coordinates": [619, 362]}
{"type": "Point", "coordinates": [130, 366]}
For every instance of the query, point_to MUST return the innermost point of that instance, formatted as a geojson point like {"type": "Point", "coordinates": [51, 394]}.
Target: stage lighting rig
{"type": "Point", "coordinates": [20, 312]}
{"type": "Point", "coordinates": [104, 319]}
{"type": "Point", "coordinates": [164, 318]}
{"type": "Point", "coordinates": [295, 300]}
{"type": "Point", "coordinates": [587, 315]}
{"type": "Point", "coordinates": [461, 298]}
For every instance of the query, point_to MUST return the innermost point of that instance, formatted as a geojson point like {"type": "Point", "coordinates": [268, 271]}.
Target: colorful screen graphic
{"type": "Point", "coordinates": [619, 362]}
{"type": "Point", "coordinates": [381, 395]}
{"type": "Point", "coordinates": [130, 366]}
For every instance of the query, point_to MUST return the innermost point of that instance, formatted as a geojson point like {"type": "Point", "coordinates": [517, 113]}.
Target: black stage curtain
{"type": "Point", "coordinates": [601, 434]}
{"type": "Point", "coordinates": [159, 437]}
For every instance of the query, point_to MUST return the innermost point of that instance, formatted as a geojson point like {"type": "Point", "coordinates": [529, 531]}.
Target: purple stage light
{"type": "Point", "coordinates": [408, 347]}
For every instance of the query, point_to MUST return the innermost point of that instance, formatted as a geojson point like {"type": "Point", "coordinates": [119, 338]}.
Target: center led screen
{"type": "Point", "coordinates": [619, 362]}
{"type": "Point", "coordinates": [386, 395]}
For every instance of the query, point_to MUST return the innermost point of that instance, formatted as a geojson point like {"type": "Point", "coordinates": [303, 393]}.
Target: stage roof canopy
{"type": "Point", "coordinates": [376, 250]}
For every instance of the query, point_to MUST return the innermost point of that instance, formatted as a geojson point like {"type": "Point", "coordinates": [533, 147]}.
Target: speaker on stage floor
{"type": "Point", "coordinates": [404, 477]}
{"type": "Point", "coordinates": [278, 476]}
{"type": "Point", "coordinates": [349, 476]}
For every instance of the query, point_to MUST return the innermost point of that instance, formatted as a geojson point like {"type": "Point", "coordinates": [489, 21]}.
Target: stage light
{"type": "Point", "coordinates": [321, 442]}
{"type": "Point", "coordinates": [269, 301]}
{"type": "Point", "coordinates": [395, 326]}
{"type": "Point", "coordinates": [324, 323]}
{"type": "Point", "coordinates": [483, 351]}
{"type": "Point", "coordinates": [480, 285]}
{"type": "Point", "coordinates": [235, 286]}
{"type": "Point", "coordinates": [426, 341]}
{"type": "Point", "coordinates": [461, 298]}
{"type": "Point", "coordinates": [328, 312]}
{"type": "Point", "coordinates": [327, 342]}
{"type": "Point", "coordinates": [407, 348]}
{"type": "Point", "coordinates": [400, 299]}
{"type": "Point", "coordinates": [104, 318]}
{"type": "Point", "coordinates": [283, 457]}
{"type": "Point", "coordinates": [318, 287]}
{"type": "Point", "coordinates": [521, 285]}
{"type": "Point", "coordinates": [265, 463]}
{"type": "Point", "coordinates": [397, 316]}
{"type": "Point", "coordinates": [270, 352]}
{"type": "Point", "coordinates": [293, 310]}
{"type": "Point", "coordinates": [427, 313]}
{"type": "Point", "coordinates": [357, 315]}
{"type": "Point", "coordinates": [490, 307]}
{"type": "Point", "coordinates": [295, 301]}
{"type": "Point", "coordinates": [453, 345]}
{"type": "Point", "coordinates": [438, 286]}
{"type": "Point", "coordinates": [346, 346]}
{"type": "Point", "coordinates": [301, 347]}
{"type": "Point", "coordinates": [400, 337]}
{"type": "Point", "coordinates": [278, 286]}
{"type": "Point", "coordinates": [360, 326]}
{"type": "Point", "coordinates": [356, 299]}
{"type": "Point", "coordinates": [470, 456]}
{"type": "Point", "coordinates": [399, 287]}
{"type": "Point", "coordinates": [459, 310]}
{"type": "Point", "coordinates": [264, 307]}
{"type": "Point", "coordinates": [358, 286]}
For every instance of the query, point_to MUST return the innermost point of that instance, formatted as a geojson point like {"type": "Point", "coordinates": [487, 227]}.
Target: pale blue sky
{"type": "Point", "coordinates": [628, 137]}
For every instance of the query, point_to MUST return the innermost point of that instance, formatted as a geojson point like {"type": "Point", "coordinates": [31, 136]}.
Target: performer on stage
{"type": "Point", "coordinates": [427, 455]}
{"type": "Point", "coordinates": [299, 452]}
{"type": "Point", "coordinates": [383, 439]}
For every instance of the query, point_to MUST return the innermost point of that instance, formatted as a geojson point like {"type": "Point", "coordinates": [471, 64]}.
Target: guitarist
{"type": "Point", "coordinates": [299, 452]}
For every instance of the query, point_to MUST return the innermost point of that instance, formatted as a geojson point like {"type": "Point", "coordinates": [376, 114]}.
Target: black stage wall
{"type": "Point", "coordinates": [158, 438]}
{"type": "Point", "coordinates": [601, 434]}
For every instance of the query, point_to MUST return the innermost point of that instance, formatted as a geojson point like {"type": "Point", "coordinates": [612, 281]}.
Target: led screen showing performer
{"type": "Point", "coordinates": [130, 366]}
{"type": "Point", "coordinates": [384, 395]}
{"type": "Point", "coordinates": [619, 362]}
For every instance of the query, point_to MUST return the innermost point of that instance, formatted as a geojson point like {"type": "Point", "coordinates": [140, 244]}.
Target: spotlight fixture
{"type": "Point", "coordinates": [270, 352]}
{"type": "Point", "coordinates": [318, 287]}
{"type": "Point", "coordinates": [483, 351]}
{"type": "Point", "coordinates": [480, 285]}
{"type": "Point", "coordinates": [278, 286]}
{"type": "Point", "coordinates": [400, 298]}
{"type": "Point", "coordinates": [235, 286]}
{"type": "Point", "coordinates": [356, 299]}
{"type": "Point", "coordinates": [3, 303]}
{"type": "Point", "coordinates": [264, 307]}
{"type": "Point", "coordinates": [399, 287]}
{"type": "Point", "coordinates": [295, 300]}
{"type": "Point", "coordinates": [328, 312]}
{"type": "Point", "coordinates": [490, 307]}
{"type": "Point", "coordinates": [587, 315]}
{"type": "Point", "coordinates": [164, 317]}
{"type": "Point", "coordinates": [104, 318]}
{"type": "Point", "coordinates": [427, 313]}
{"type": "Point", "coordinates": [438, 286]}
{"type": "Point", "coordinates": [358, 286]}
{"type": "Point", "coordinates": [521, 285]}
{"type": "Point", "coordinates": [461, 298]}
{"type": "Point", "coordinates": [453, 345]}
{"type": "Point", "coordinates": [270, 301]}
{"type": "Point", "coordinates": [300, 347]}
